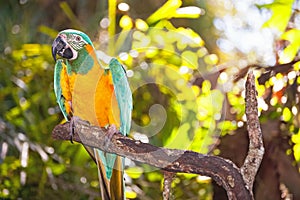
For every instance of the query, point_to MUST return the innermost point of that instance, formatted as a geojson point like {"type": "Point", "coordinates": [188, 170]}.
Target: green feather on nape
{"type": "Point", "coordinates": [83, 63]}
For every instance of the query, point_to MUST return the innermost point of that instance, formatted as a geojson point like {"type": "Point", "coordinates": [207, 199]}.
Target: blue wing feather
{"type": "Point", "coordinates": [123, 94]}
{"type": "Point", "coordinates": [124, 99]}
{"type": "Point", "coordinates": [57, 88]}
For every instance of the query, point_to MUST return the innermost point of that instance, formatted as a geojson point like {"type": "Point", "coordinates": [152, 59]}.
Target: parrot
{"type": "Point", "coordinates": [97, 94]}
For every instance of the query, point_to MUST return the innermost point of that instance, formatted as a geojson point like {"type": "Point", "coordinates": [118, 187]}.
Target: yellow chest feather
{"type": "Point", "coordinates": [91, 96]}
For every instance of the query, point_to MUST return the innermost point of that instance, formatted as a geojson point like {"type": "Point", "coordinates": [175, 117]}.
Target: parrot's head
{"type": "Point", "coordinates": [69, 43]}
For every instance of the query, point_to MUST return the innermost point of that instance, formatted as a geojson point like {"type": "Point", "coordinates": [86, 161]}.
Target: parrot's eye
{"type": "Point", "coordinates": [78, 38]}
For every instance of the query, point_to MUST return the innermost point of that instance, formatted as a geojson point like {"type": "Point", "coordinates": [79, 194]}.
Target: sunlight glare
{"type": "Point", "coordinates": [123, 7]}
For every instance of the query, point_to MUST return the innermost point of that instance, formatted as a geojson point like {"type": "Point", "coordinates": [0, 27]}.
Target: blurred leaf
{"type": "Point", "coordinates": [289, 53]}
{"type": "Point", "coordinates": [48, 31]}
{"type": "Point", "coordinates": [281, 13]}
{"type": "Point", "coordinates": [154, 176]}
{"type": "Point", "coordinates": [297, 66]}
{"type": "Point", "coordinates": [134, 172]}
{"type": "Point", "coordinates": [226, 126]}
{"type": "Point", "coordinates": [141, 25]}
{"type": "Point", "coordinates": [286, 114]}
{"type": "Point", "coordinates": [179, 138]}
{"type": "Point", "coordinates": [296, 148]}
{"type": "Point", "coordinates": [130, 194]}
{"type": "Point", "coordinates": [58, 169]}
{"type": "Point", "coordinates": [70, 14]}
{"type": "Point", "coordinates": [166, 11]}
{"type": "Point", "coordinates": [190, 59]}
{"type": "Point", "coordinates": [126, 22]}
{"type": "Point", "coordinates": [211, 59]}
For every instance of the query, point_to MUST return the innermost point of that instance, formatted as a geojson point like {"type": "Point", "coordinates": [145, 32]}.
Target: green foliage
{"type": "Point", "coordinates": [285, 85]}
{"type": "Point", "coordinates": [289, 53]}
{"type": "Point", "coordinates": [296, 148]}
{"type": "Point", "coordinates": [281, 13]}
{"type": "Point", "coordinates": [171, 108]}
{"type": "Point", "coordinates": [30, 110]}
{"type": "Point", "coordinates": [164, 59]}
{"type": "Point", "coordinates": [158, 49]}
{"type": "Point", "coordinates": [284, 95]}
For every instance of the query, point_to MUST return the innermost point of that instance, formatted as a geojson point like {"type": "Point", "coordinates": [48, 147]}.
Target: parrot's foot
{"type": "Point", "coordinates": [72, 127]}
{"type": "Point", "coordinates": [111, 130]}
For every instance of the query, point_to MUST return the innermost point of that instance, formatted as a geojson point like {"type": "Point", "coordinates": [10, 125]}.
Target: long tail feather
{"type": "Point", "coordinates": [117, 180]}
{"type": "Point", "coordinates": [113, 188]}
{"type": "Point", "coordinates": [103, 181]}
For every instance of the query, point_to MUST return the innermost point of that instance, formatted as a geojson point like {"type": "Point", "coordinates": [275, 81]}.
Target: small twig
{"type": "Point", "coordinates": [256, 148]}
{"type": "Point", "coordinates": [168, 178]}
{"type": "Point", "coordinates": [269, 71]}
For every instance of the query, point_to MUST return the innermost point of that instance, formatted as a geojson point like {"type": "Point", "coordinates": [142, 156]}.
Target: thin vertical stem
{"type": "Point", "coordinates": [112, 5]}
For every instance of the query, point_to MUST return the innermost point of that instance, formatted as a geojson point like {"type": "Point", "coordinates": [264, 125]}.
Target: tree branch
{"type": "Point", "coordinates": [238, 183]}
{"type": "Point", "coordinates": [256, 148]}
{"type": "Point", "coordinates": [223, 171]}
{"type": "Point", "coordinates": [269, 71]}
{"type": "Point", "coordinates": [168, 178]}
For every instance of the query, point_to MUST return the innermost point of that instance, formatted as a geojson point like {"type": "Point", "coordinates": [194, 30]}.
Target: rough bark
{"type": "Point", "coordinates": [256, 148]}
{"type": "Point", "coordinates": [168, 178]}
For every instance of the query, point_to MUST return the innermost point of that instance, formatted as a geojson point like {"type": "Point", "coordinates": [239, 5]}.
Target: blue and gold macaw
{"type": "Point", "coordinates": [85, 89]}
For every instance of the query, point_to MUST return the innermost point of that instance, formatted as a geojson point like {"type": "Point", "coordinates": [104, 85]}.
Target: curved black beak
{"type": "Point", "coordinates": [60, 47]}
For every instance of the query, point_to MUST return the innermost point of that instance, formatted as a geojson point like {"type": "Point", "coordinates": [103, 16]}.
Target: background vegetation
{"type": "Point", "coordinates": [186, 63]}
